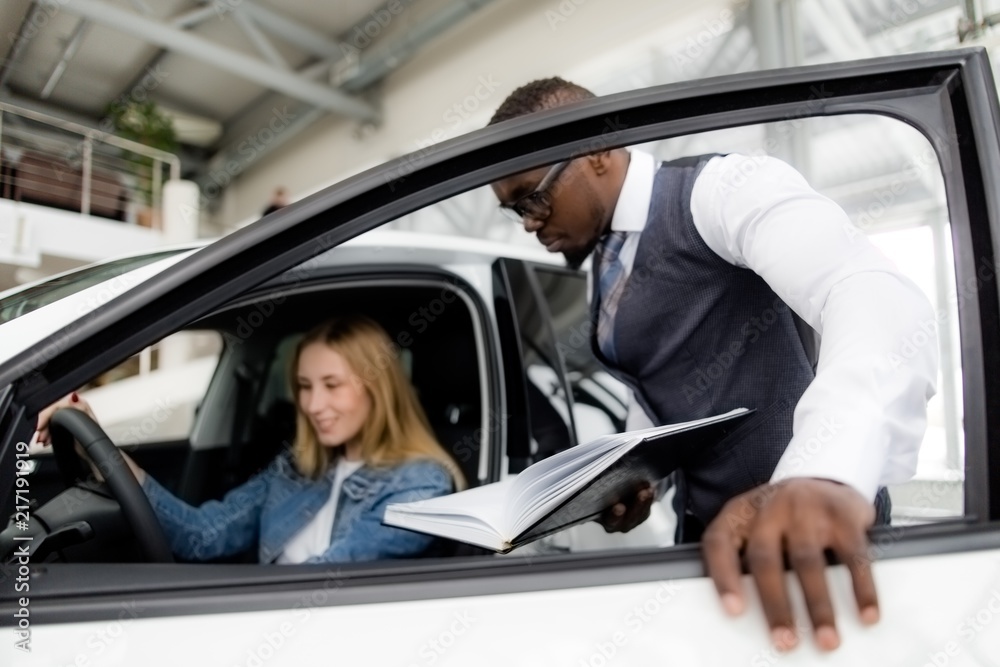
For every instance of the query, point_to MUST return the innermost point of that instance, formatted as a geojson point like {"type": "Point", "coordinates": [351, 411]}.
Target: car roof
{"type": "Point", "coordinates": [381, 247]}
{"type": "Point", "coordinates": [434, 249]}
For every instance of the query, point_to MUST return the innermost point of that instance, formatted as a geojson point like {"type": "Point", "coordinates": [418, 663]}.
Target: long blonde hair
{"type": "Point", "coordinates": [396, 430]}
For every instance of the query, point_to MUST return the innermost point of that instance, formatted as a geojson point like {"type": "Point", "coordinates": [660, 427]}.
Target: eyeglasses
{"type": "Point", "coordinates": [537, 204]}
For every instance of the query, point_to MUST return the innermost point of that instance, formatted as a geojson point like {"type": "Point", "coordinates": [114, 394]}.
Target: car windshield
{"type": "Point", "coordinates": [23, 301]}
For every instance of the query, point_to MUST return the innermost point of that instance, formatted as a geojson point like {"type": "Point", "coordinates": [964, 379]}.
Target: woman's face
{"type": "Point", "coordinates": [331, 395]}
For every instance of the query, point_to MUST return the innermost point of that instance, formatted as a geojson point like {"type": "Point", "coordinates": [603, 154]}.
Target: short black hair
{"type": "Point", "coordinates": [538, 95]}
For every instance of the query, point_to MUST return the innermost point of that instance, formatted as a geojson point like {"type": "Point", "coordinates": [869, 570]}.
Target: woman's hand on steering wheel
{"type": "Point", "coordinates": [73, 400]}
{"type": "Point", "coordinates": [77, 402]}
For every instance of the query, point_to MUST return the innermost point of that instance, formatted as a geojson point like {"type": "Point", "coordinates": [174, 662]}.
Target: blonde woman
{"type": "Point", "coordinates": [362, 442]}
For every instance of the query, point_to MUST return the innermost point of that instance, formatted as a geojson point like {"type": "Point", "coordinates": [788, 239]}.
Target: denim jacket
{"type": "Point", "coordinates": [276, 503]}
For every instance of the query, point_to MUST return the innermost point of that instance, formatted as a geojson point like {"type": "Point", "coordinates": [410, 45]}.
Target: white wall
{"type": "Point", "coordinates": [506, 44]}
{"type": "Point", "coordinates": [32, 236]}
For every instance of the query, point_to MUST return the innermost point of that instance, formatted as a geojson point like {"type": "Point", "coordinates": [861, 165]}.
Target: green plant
{"type": "Point", "coordinates": [144, 123]}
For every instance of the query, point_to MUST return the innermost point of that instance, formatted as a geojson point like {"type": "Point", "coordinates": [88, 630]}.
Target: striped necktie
{"type": "Point", "coordinates": [611, 283]}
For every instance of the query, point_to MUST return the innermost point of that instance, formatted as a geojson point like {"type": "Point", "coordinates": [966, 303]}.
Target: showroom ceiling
{"type": "Point", "coordinates": [220, 67]}
{"type": "Point", "coordinates": [212, 63]}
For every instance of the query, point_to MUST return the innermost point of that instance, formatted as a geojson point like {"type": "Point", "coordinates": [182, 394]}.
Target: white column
{"type": "Point", "coordinates": [180, 225]}
{"type": "Point", "coordinates": [180, 211]}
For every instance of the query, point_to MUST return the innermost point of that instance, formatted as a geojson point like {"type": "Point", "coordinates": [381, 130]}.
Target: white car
{"type": "Point", "coordinates": [493, 338]}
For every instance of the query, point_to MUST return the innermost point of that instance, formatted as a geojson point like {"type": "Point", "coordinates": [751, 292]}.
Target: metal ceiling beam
{"type": "Point", "coordinates": [194, 17]}
{"type": "Point", "coordinates": [376, 64]}
{"type": "Point", "coordinates": [845, 40]}
{"type": "Point", "coordinates": [236, 129]}
{"type": "Point", "coordinates": [24, 36]}
{"type": "Point", "coordinates": [260, 42]}
{"type": "Point", "coordinates": [717, 61]}
{"type": "Point", "coordinates": [884, 18]}
{"type": "Point", "coordinates": [372, 68]}
{"type": "Point", "coordinates": [72, 46]}
{"type": "Point", "coordinates": [183, 21]}
{"type": "Point", "coordinates": [841, 17]}
{"type": "Point", "coordinates": [897, 13]}
{"type": "Point", "coordinates": [307, 39]}
{"type": "Point", "coordinates": [833, 40]}
{"type": "Point", "coordinates": [234, 159]}
{"type": "Point", "coordinates": [253, 69]}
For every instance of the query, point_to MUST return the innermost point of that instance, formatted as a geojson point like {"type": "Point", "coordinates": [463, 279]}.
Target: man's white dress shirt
{"type": "Point", "coordinates": [862, 419]}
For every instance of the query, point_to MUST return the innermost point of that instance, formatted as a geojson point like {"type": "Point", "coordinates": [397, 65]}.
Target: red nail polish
{"type": "Point", "coordinates": [73, 397]}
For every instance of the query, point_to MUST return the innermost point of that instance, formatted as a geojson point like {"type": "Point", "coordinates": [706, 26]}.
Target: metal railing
{"type": "Point", "coordinates": [49, 161]}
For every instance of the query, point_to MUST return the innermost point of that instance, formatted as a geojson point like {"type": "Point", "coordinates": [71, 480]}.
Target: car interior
{"type": "Point", "coordinates": [247, 415]}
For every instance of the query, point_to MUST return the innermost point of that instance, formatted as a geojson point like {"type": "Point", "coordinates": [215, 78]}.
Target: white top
{"type": "Point", "coordinates": [861, 421]}
{"type": "Point", "coordinates": [314, 538]}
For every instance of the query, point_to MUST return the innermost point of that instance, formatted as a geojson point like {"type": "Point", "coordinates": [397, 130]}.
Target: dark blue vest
{"type": "Point", "coordinates": [697, 336]}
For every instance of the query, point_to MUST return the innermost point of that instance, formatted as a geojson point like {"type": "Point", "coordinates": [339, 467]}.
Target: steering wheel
{"type": "Point", "coordinates": [68, 424]}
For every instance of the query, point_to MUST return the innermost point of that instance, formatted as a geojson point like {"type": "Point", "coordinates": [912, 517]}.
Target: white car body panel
{"type": "Point", "coordinates": [952, 617]}
{"type": "Point", "coordinates": [377, 247]}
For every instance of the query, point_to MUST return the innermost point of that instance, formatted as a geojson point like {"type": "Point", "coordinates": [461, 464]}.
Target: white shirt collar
{"type": "Point", "coordinates": [637, 191]}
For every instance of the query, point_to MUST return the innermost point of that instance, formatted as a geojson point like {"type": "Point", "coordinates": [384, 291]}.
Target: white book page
{"type": "Point", "coordinates": [457, 527]}
{"type": "Point", "coordinates": [484, 504]}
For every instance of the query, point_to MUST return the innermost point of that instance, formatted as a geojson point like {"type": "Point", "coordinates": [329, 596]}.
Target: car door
{"type": "Point", "coordinates": [938, 582]}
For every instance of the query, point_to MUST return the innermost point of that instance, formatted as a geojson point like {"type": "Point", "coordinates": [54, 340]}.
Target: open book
{"type": "Point", "coordinates": [568, 488]}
